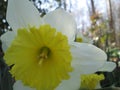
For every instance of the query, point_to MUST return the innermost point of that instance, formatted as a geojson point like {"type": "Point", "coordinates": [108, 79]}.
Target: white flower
{"type": "Point", "coordinates": [86, 57]}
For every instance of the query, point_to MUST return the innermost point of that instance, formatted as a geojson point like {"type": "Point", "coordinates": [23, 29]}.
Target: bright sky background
{"type": "Point", "coordinates": [79, 9]}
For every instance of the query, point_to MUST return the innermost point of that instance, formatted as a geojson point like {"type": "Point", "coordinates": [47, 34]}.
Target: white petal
{"type": "Point", "coordinates": [19, 86]}
{"type": "Point", "coordinates": [7, 39]}
{"type": "Point", "coordinates": [62, 21]}
{"type": "Point", "coordinates": [108, 66]}
{"type": "Point", "coordinates": [21, 13]}
{"type": "Point", "coordinates": [87, 58]}
{"type": "Point", "coordinates": [72, 84]}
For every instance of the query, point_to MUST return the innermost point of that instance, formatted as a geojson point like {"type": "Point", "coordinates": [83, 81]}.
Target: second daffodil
{"type": "Point", "coordinates": [42, 50]}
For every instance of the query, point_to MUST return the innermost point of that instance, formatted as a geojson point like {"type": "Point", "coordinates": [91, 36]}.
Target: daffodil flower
{"type": "Point", "coordinates": [90, 81]}
{"type": "Point", "coordinates": [43, 51]}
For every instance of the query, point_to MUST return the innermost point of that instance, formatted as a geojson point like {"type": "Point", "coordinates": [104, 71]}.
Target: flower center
{"type": "Point", "coordinates": [44, 54]}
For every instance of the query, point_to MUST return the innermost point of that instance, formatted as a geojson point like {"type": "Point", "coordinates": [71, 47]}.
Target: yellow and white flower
{"type": "Point", "coordinates": [43, 50]}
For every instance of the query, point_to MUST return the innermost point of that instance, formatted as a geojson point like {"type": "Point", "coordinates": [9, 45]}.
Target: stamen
{"type": "Point", "coordinates": [44, 54]}
{"type": "Point", "coordinates": [40, 62]}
